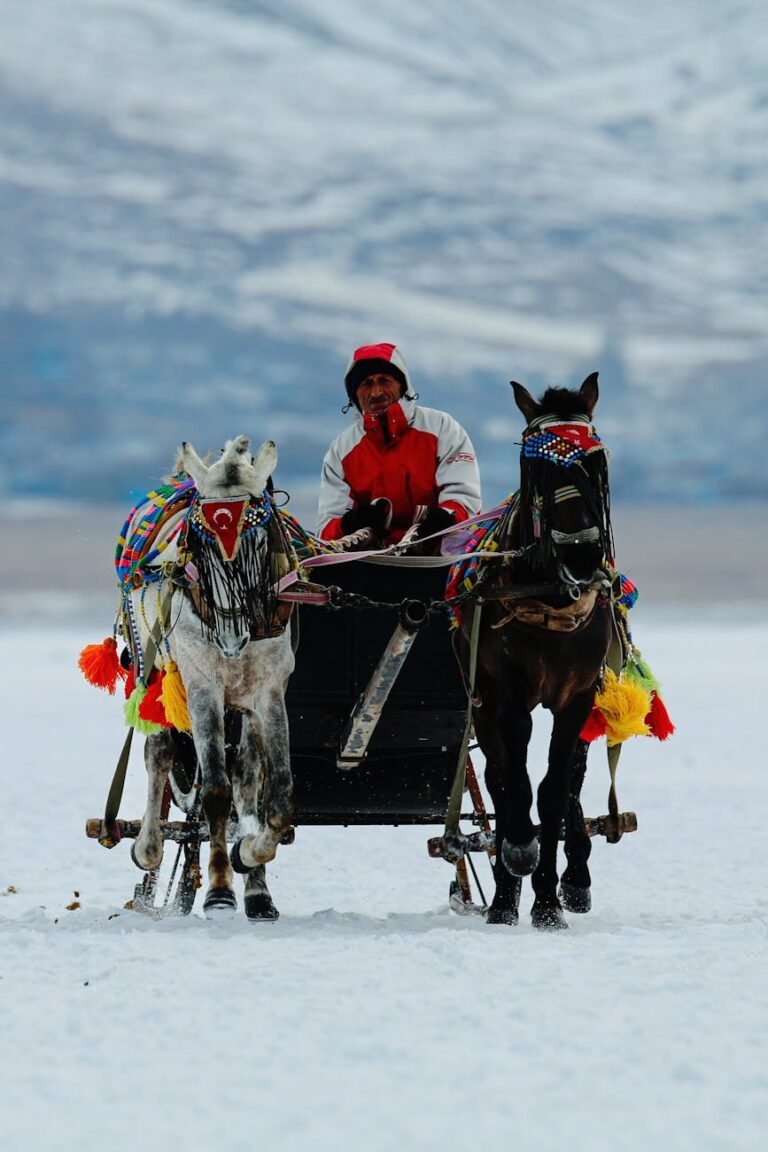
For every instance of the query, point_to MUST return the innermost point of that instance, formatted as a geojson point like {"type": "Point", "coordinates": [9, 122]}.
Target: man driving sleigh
{"type": "Point", "coordinates": [397, 461]}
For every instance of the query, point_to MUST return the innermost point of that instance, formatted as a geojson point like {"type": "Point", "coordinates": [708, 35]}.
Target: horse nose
{"type": "Point", "coordinates": [233, 645]}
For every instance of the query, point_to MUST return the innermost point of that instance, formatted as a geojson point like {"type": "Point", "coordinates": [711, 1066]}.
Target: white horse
{"type": "Point", "coordinates": [234, 653]}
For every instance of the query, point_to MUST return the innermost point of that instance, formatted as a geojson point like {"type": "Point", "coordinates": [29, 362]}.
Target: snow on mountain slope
{"type": "Point", "coordinates": [506, 190]}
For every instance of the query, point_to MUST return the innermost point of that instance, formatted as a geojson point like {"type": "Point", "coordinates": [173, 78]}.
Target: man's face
{"type": "Point", "coordinates": [376, 393]}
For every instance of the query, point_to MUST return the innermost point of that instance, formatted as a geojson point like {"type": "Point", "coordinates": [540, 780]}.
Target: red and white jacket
{"type": "Point", "coordinates": [410, 455]}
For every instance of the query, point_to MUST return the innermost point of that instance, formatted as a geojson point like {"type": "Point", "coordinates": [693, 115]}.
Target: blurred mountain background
{"type": "Point", "coordinates": [205, 205]}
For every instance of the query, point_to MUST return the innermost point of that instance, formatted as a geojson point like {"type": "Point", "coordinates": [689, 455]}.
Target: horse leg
{"type": "Point", "coordinates": [547, 912]}
{"type": "Point", "coordinates": [147, 849]}
{"type": "Point", "coordinates": [207, 717]}
{"type": "Point", "coordinates": [258, 902]}
{"type": "Point", "coordinates": [575, 881]}
{"type": "Point", "coordinates": [510, 789]}
{"type": "Point", "coordinates": [246, 784]}
{"type": "Point", "coordinates": [517, 843]}
{"type": "Point", "coordinates": [263, 768]}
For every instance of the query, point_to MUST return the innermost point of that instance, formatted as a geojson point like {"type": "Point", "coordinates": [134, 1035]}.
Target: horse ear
{"type": "Point", "coordinates": [241, 445]}
{"type": "Point", "coordinates": [525, 402]}
{"type": "Point", "coordinates": [589, 393]}
{"type": "Point", "coordinates": [189, 461]}
{"type": "Point", "coordinates": [265, 460]}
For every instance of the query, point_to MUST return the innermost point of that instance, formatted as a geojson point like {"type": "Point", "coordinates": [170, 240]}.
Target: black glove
{"type": "Point", "coordinates": [376, 516]}
{"type": "Point", "coordinates": [435, 520]}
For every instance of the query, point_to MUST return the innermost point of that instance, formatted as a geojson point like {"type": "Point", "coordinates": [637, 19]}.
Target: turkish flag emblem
{"type": "Point", "coordinates": [225, 520]}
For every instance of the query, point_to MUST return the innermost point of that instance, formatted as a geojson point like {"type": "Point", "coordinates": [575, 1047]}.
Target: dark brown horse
{"type": "Point", "coordinates": [543, 635]}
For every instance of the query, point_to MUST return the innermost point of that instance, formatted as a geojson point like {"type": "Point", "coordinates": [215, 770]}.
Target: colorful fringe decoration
{"type": "Point", "coordinates": [100, 664]}
{"type": "Point", "coordinates": [463, 575]}
{"type": "Point", "coordinates": [140, 544]}
{"type": "Point", "coordinates": [174, 698]}
{"type": "Point", "coordinates": [303, 543]}
{"type": "Point", "coordinates": [622, 705]}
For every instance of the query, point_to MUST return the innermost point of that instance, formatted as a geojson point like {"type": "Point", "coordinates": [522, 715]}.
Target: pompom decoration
{"type": "Point", "coordinates": [174, 698]}
{"type": "Point", "coordinates": [623, 704]}
{"type": "Point", "coordinates": [151, 707]}
{"type": "Point", "coordinates": [639, 670]}
{"type": "Point", "coordinates": [629, 592]}
{"type": "Point", "coordinates": [658, 719]}
{"type": "Point", "coordinates": [594, 726]}
{"type": "Point", "coordinates": [101, 666]}
{"type": "Point", "coordinates": [133, 716]}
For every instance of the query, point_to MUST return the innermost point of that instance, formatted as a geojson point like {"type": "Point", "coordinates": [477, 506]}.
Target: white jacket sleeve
{"type": "Point", "coordinates": [457, 476]}
{"type": "Point", "coordinates": [335, 498]}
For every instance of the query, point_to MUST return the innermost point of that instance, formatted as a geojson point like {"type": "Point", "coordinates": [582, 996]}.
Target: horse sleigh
{"type": "Point", "coordinates": [361, 714]}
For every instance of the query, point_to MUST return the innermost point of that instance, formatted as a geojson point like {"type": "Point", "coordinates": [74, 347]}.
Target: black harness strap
{"type": "Point", "coordinates": [453, 811]}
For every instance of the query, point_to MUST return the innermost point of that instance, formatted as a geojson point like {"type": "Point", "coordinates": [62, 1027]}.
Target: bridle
{"type": "Point", "coordinates": [227, 552]}
{"type": "Point", "coordinates": [551, 444]}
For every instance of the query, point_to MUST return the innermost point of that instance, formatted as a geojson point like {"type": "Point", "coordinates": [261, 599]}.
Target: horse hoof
{"type": "Point", "coordinates": [548, 917]}
{"type": "Point", "coordinates": [235, 859]}
{"type": "Point", "coordinates": [520, 859]}
{"type": "Point", "coordinates": [219, 900]}
{"type": "Point", "coordinates": [138, 863]}
{"type": "Point", "coordinates": [508, 916]}
{"type": "Point", "coordinates": [573, 898]}
{"type": "Point", "coordinates": [259, 906]}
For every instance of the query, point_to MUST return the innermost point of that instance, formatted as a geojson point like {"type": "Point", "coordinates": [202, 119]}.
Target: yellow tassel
{"type": "Point", "coordinates": [174, 698]}
{"type": "Point", "coordinates": [625, 705]}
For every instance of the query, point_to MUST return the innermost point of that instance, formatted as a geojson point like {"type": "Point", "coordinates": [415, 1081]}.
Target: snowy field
{"type": "Point", "coordinates": [370, 1016]}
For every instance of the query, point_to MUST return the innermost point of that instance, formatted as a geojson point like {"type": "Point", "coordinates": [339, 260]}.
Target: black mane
{"type": "Point", "coordinates": [563, 402]}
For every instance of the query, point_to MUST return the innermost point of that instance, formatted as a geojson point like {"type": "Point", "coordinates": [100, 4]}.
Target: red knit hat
{"type": "Point", "coordinates": [371, 359]}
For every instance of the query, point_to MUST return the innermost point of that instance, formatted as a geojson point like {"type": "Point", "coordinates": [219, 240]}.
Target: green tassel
{"type": "Point", "coordinates": [639, 671]}
{"type": "Point", "coordinates": [131, 710]}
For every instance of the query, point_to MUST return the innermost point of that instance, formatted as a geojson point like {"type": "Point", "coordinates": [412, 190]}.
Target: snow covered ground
{"type": "Point", "coordinates": [370, 1016]}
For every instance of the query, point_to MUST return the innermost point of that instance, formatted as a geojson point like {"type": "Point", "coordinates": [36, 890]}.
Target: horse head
{"type": "Point", "coordinates": [235, 474]}
{"type": "Point", "coordinates": [227, 542]}
{"type": "Point", "coordinates": [564, 497]}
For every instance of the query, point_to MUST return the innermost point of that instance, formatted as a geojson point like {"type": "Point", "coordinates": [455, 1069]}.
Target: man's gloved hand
{"type": "Point", "coordinates": [435, 520]}
{"type": "Point", "coordinates": [377, 516]}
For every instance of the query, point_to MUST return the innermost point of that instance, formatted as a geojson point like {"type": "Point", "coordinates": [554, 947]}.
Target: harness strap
{"type": "Point", "coordinates": [109, 833]}
{"type": "Point", "coordinates": [453, 811]}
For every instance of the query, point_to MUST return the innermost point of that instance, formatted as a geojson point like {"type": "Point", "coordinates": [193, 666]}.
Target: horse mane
{"type": "Point", "coordinates": [562, 402]}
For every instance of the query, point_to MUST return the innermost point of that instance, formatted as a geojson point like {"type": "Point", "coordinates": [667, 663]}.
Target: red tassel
{"type": "Point", "coordinates": [130, 682]}
{"type": "Point", "coordinates": [101, 666]}
{"type": "Point", "coordinates": [594, 726]}
{"type": "Point", "coordinates": [658, 719]}
{"type": "Point", "coordinates": [151, 707]}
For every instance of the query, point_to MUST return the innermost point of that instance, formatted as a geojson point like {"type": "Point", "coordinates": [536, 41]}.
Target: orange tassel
{"type": "Point", "coordinates": [151, 707]}
{"type": "Point", "coordinates": [101, 666]}
{"type": "Point", "coordinates": [658, 719]}
{"type": "Point", "coordinates": [594, 726]}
